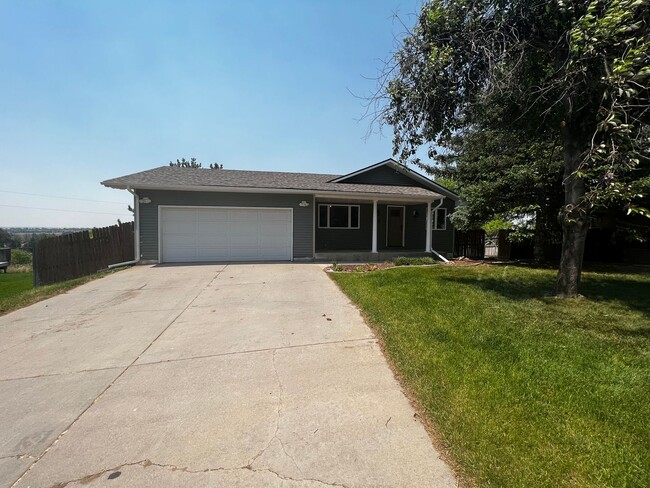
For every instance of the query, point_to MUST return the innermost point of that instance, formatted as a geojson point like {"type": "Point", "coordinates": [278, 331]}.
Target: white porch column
{"type": "Point", "coordinates": [374, 226]}
{"type": "Point", "coordinates": [429, 229]}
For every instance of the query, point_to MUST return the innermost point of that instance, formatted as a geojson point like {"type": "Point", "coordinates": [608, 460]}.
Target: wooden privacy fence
{"type": "Point", "coordinates": [470, 243]}
{"type": "Point", "coordinates": [70, 256]}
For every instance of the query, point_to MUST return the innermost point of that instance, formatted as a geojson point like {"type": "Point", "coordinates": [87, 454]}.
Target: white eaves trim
{"type": "Point", "coordinates": [318, 193]}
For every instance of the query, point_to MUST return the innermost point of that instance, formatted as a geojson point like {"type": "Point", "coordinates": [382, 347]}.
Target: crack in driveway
{"type": "Point", "coordinates": [58, 438]}
{"type": "Point", "coordinates": [277, 424]}
{"type": "Point", "coordinates": [145, 463]}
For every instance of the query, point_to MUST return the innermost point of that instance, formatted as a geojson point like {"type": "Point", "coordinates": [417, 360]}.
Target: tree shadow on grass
{"type": "Point", "coordinates": [632, 293]}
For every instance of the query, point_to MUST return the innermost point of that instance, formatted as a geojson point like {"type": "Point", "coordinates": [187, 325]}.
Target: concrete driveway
{"type": "Point", "coordinates": [205, 375]}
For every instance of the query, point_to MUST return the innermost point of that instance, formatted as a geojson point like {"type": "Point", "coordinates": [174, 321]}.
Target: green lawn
{"type": "Point", "coordinates": [524, 389]}
{"type": "Point", "coordinates": [17, 289]}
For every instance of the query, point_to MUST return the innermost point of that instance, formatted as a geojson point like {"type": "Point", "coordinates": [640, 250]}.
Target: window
{"type": "Point", "coordinates": [338, 216]}
{"type": "Point", "coordinates": [440, 219]}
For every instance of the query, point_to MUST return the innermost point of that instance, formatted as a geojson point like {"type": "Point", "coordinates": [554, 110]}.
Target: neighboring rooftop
{"type": "Point", "coordinates": [173, 177]}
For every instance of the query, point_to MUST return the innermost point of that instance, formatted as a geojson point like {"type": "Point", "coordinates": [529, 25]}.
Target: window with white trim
{"type": "Point", "coordinates": [440, 219]}
{"type": "Point", "coordinates": [332, 216]}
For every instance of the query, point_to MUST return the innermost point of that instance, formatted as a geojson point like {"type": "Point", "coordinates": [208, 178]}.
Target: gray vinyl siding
{"type": "Point", "coordinates": [443, 240]}
{"type": "Point", "coordinates": [302, 216]}
{"type": "Point", "coordinates": [383, 175]}
{"type": "Point", "coordinates": [346, 239]}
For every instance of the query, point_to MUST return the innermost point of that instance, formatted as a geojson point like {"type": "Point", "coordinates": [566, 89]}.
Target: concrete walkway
{"type": "Point", "coordinates": [206, 375]}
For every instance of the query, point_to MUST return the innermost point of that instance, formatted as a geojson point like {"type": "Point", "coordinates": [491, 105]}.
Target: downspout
{"type": "Point", "coordinates": [136, 219]}
{"type": "Point", "coordinates": [433, 209]}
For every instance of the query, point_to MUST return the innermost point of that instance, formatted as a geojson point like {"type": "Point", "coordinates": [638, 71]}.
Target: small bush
{"type": "Point", "coordinates": [337, 267]}
{"type": "Point", "coordinates": [404, 261]}
{"type": "Point", "coordinates": [19, 256]}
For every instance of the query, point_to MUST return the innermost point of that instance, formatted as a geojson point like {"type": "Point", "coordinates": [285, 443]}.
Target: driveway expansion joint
{"type": "Point", "coordinates": [50, 375]}
{"type": "Point", "coordinates": [253, 351]}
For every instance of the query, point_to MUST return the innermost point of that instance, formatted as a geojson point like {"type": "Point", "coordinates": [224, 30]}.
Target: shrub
{"type": "Point", "coordinates": [19, 256]}
{"type": "Point", "coordinates": [404, 261]}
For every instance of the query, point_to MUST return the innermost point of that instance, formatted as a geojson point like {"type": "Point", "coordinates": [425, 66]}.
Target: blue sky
{"type": "Point", "coordinates": [95, 90]}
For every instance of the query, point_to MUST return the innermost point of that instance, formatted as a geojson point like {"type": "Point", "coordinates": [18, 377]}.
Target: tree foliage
{"type": "Point", "coordinates": [507, 174]}
{"type": "Point", "coordinates": [7, 239]}
{"type": "Point", "coordinates": [192, 163]}
{"type": "Point", "coordinates": [577, 70]}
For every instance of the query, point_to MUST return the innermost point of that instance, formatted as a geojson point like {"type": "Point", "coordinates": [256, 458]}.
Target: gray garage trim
{"type": "Point", "coordinates": [303, 218]}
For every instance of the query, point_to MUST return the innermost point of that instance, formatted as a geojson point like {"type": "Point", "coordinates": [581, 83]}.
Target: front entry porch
{"type": "Point", "coordinates": [376, 230]}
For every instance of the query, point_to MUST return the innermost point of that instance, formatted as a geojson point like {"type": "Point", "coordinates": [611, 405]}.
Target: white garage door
{"type": "Point", "coordinates": [194, 234]}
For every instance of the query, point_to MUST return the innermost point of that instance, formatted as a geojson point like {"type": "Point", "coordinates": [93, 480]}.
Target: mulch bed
{"type": "Point", "coordinates": [368, 267]}
{"type": "Point", "coordinates": [359, 268]}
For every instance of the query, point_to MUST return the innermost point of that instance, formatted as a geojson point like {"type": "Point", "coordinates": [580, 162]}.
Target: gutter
{"type": "Point", "coordinates": [136, 233]}
{"type": "Point", "coordinates": [318, 193]}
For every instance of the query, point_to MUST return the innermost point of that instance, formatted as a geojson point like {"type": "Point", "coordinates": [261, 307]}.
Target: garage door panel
{"type": "Point", "coordinates": [213, 215]}
{"type": "Point", "coordinates": [244, 234]}
{"type": "Point", "coordinates": [179, 214]}
{"type": "Point", "coordinates": [214, 253]}
{"type": "Point", "coordinates": [181, 254]}
{"type": "Point", "coordinates": [275, 228]}
{"type": "Point", "coordinates": [277, 215]}
{"type": "Point", "coordinates": [245, 253]}
{"type": "Point", "coordinates": [225, 234]}
{"type": "Point", "coordinates": [243, 215]}
{"type": "Point", "coordinates": [180, 240]}
{"type": "Point", "coordinates": [214, 240]}
{"type": "Point", "coordinates": [180, 227]}
{"type": "Point", "coordinates": [273, 240]}
{"type": "Point", "coordinates": [277, 253]}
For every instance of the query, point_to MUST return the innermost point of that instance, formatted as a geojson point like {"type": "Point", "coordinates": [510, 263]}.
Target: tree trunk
{"type": "Point", "coordinates": [539, 249]}
{"type": "Point", "coordinates": [574, 218]}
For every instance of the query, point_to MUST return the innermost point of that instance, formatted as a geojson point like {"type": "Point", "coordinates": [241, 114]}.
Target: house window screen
{"type": "Point", "coordinates": [338, 216]}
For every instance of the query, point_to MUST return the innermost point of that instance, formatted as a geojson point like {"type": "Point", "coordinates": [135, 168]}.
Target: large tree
{"type": "Point", "coordinates": [580, 69]}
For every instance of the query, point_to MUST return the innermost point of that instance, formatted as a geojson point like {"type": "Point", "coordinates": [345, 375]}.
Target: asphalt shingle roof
{"type": "Point", "coordinates": [173, 176]}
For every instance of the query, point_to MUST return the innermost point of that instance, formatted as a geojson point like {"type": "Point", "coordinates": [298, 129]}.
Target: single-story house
{"type": "Point", "coordinates": [204, 215]}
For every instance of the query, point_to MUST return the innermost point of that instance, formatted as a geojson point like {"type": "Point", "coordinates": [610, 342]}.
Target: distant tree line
{"type": "Point", "coordinates": [26, 241]}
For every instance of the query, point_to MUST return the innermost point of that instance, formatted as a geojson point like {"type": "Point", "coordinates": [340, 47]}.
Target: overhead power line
{"type": "Point", "coordinates": [64, 210]}
{"type": "Point", "coordinates": [62, 198]}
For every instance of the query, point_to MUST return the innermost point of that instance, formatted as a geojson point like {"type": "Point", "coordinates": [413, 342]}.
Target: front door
{"type": "Point", "coordinates": [395, 227]}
